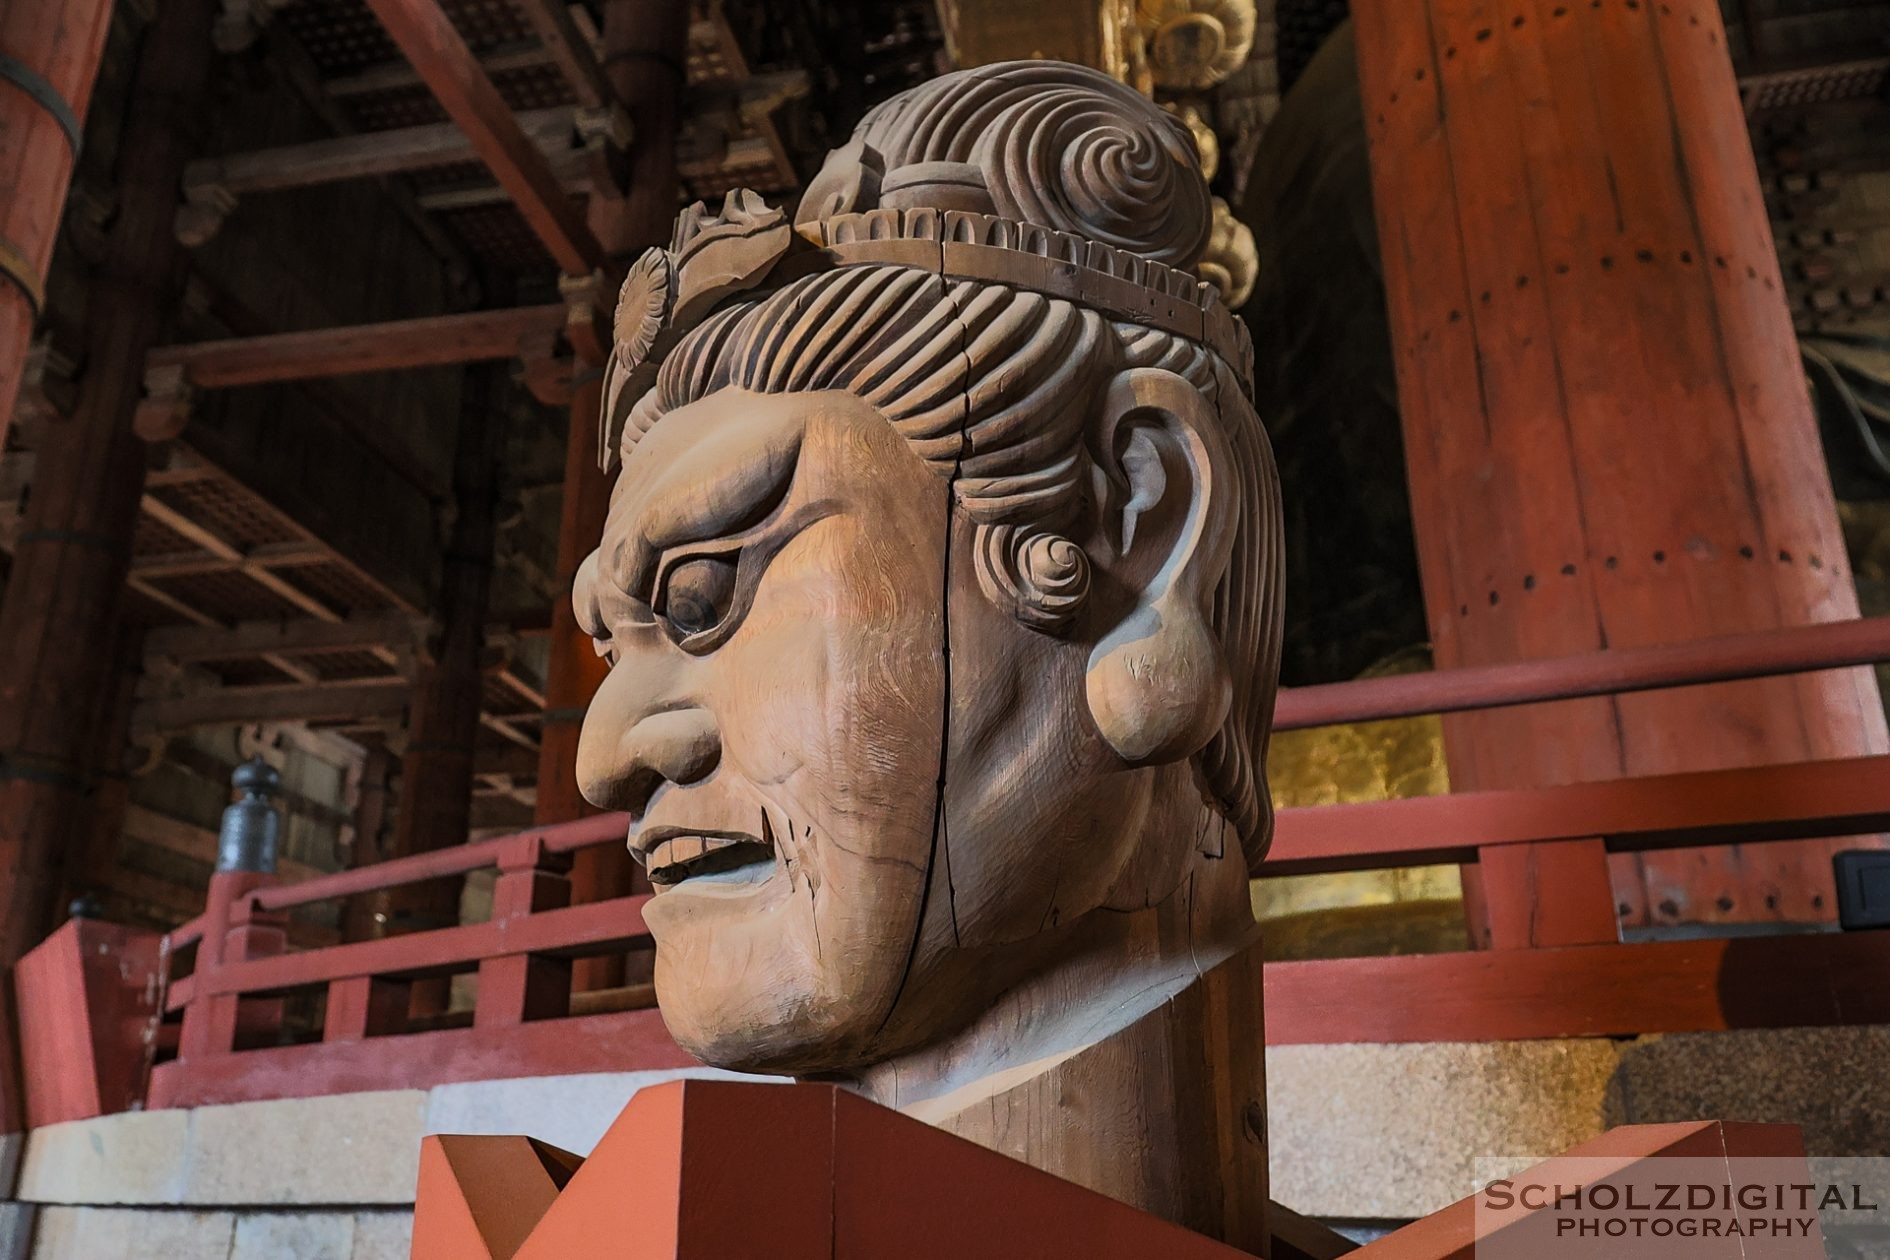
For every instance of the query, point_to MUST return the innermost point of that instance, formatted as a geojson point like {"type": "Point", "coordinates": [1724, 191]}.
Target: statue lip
{"type": "Point", "coordinates": [675, 854]}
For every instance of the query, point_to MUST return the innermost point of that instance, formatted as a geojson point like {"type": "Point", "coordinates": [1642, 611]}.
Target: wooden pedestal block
{"type": "Point", "coordinates": [716, 1169]}
{"type": "Point", "coordinates": [1169, 1114]}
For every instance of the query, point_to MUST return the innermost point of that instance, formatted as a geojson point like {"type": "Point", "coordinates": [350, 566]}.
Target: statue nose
{"type": "Point", "coordinates": [623, 766]}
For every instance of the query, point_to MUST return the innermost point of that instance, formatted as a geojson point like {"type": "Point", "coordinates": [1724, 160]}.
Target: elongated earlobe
{"type": "Point", "coordinates": [1158, 683]}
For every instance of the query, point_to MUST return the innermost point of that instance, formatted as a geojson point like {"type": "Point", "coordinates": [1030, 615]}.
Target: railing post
{"type": "Point", "coordinates": [1568, 897]}
{"type": "Point", "coordinates": [233, 930]}
{"type": "Point", "coordinates": [522, 987]}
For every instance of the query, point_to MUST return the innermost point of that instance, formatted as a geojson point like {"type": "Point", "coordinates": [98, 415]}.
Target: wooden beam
{"type": "Point", "coordinates": [267, 556]}
{"type": "Point", "coordinates": [1795, 801]}
{"type": "Point", "coordinates": [363, 156]}
{"type": "Point", "coordinates": [395, 76]}
{"type": "Point", "coordinates": [187, 839]}
{"type": "Point", "coordinates": [286, 702]}
{"type": "Point", "coordinates": [428, 342]}
{"type": "Point", "coordinates": [567, 49]}
{"type": "Point", "coordinates": [282, 638]}
{"type": "Point", "coordinates": [1820, 979]}
{"type": "Point", "coordinates": [427, 39]}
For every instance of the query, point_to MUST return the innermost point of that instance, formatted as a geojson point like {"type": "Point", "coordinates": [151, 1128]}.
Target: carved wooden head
{"type": "Point", "coordinates": [941, 578]}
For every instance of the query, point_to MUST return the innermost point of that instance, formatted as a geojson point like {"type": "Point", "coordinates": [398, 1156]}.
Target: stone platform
{"type": "Point", "coordinates": [1361, 1133]}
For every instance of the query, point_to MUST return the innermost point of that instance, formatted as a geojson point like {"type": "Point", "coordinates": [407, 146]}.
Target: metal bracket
{"type": "Point", "coordinates": [35, 85]}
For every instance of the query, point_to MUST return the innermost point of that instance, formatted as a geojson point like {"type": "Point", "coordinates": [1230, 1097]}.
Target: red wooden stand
{"type": "Point", "coordinates": [695, 1170]}
{"type": "Point", "coordinates": [791, 1172]}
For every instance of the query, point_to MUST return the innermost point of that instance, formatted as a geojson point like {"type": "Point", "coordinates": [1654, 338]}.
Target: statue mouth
{"type": "Point", "coordinates": [674, 855]}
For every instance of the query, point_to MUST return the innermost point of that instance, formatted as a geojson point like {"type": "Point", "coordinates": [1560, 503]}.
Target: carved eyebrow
{"type": "Point", "coordinates": [728, 481]}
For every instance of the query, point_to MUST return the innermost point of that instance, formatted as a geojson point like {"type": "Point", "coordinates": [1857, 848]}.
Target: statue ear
{"type": "Point", "coordinates": [1158, 684]}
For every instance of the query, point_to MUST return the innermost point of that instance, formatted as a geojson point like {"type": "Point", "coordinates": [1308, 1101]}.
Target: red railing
{"type": "Point", "coordinates": [231, 1001]}
{"type": "Point", "coordinates": [225, 1012]}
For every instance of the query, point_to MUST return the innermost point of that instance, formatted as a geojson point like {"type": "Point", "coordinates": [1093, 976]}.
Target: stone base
{"type": "Point", "coordinates": [1364, 1133]}
{"type": "Point", "coordinates": [300, 1179]}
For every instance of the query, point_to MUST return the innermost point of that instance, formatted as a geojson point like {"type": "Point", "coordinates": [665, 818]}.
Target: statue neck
{"type": "Point", "coordinates": [1106, 973]}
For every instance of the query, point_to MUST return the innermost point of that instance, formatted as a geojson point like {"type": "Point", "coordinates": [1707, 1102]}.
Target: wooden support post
{"type": "Point", "coordinates": [645, 43]}
{"type": "Point", "coordinates": [522, 987]}
{"type": "Point", "coordinates": [49, 55]}
{"type": "Point", "coordinates": [436, 773]}
{"type": "Point", "coordinates": [233, 931]}
{"type": "Point", "coordinates": [371, 816]}
{"type": "Point", "coordinates": [1607, 429]}
{"type": "Point", "coordinates": [365, 1006]}
{"type": "Point", "coordinates": [61, 609]}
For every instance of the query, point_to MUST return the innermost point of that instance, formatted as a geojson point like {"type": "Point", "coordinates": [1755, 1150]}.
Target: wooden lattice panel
{"type": "Point", "coordinates": [335, 666]}
{"type": "Point", "coordinates": [245, 671]}
{"type": "Point", "coordinates": [154, 538]}
{"type": "Point", "coordinates": [339, 587]}
{"type": "Point", "coordinates": [232, 512]}
{"type": "Point", "coordinates": [228, 597]}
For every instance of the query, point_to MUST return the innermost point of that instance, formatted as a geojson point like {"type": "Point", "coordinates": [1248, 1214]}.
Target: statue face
{"type": "Point", "coordinates": [774, 578]}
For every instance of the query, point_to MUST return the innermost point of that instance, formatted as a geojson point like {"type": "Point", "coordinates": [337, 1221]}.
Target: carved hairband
{"type": "Point", "coordinates": [669, 292]}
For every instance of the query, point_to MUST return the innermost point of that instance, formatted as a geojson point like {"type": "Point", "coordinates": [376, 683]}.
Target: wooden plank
{"type": "Point", "coordinates": [1810, 980]}
{"type": "Point", "coordinates": [427, 39]}
{"type": "Point", "coordinates": [282, 638]}
{"type": "Point", "coordinates": [290, 702]}
{"type": "Point", "coordinates": [1788, 802]}
{"type": "Point", "coordinates": [430, 342]}
{"type": "Point", "coordinates": [619, 1042]}
{"type": "Point", "coordinates": [364, 156]}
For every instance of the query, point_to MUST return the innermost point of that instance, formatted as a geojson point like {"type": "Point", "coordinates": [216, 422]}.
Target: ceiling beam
{"type": "Point", "coordinates": [281, 638]}
{"type": "Point", "coordinates": [362, 156]}
{"type": "Point", "coordinates": [427, 39]}
{"type": "Point", "coordinates": [283, 702]}
{"type": "Point", "coordinates": [430, 342]}
{"type": "Point", "coordinates": [567, 49]}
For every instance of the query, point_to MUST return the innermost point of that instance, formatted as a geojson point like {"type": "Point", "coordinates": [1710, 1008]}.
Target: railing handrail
{"type": "Point", "coordinates": [1789, 801]}
{"type": "Point", "coordinates": [1724, 658]}
{"type": "Point", "coordinates": [459, 859]}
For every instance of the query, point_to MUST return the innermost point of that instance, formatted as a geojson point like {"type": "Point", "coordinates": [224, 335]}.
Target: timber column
{"type": "Point", "coordinates": [436, 770]}
{"type": "Point", "coordinates": [1607, 429]}
{"type": "Point", "coordinates": [60, 616]}
{"type": "Point", "coordinates": [645, 46]}
{"type": "Point", "coordinates": [49, 55]}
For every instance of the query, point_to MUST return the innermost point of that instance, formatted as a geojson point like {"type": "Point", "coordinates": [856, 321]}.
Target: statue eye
{"type": "Point", "coordinates": [696, 595]}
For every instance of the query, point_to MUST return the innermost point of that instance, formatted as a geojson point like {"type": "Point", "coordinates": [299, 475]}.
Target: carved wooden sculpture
{"type": "Point", "coordinates": [941, 589]}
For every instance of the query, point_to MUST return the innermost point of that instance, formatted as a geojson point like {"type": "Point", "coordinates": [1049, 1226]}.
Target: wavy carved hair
{"type": "Point", "coordinates": [992, 386]}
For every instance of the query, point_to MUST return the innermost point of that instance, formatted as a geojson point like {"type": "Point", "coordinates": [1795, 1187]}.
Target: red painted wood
{"type": "Point", "coordinates": [621, 1042]}
{"type": "Point", "coordinates": [427, 39]}
{"type": "Point", "coordinates": [645, 52]}
{"type": "Point", "coordinates": [1564, 896]}
{"type": "Point", "coordinates": [558, 838]}
{"type": "Point", "coordinates": [84, 1003]}
{"type": "Point", "coordinates": [1819, 798]}
{"type": "Point", "coordinates": [1609, 441]}
{"type": "Point", "coordinates": [1451, 1234]}
{"type": "Point", "coordinates": [62, 44]}
{"type": "Point", "coordinates": [1810, 980]}
{"type": "Point", "coordinates": [575, 930]}
{"type": "Point", "coordinates": [1762, 653]}
{"type": "Point", "coordinates": [59, 621]}
{"type": "Point", "coordinates": [701, 1170]}
{"type": "Point", "coordinates": [407, 343]}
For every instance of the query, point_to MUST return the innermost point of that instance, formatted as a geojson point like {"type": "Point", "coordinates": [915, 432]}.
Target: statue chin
{"type": "Point", "coordinates": [940, 586]}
